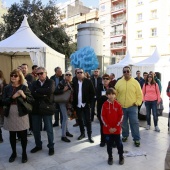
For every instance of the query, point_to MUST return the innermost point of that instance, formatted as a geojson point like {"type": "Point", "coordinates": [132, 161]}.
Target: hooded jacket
{"type": "Point", "coordinates": [129, 92]}
{"type": "Point", "coordinates": [111, 117]}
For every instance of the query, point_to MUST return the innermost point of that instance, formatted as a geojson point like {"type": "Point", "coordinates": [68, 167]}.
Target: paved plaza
{"type": "Point", "coordinates": [82, 155]}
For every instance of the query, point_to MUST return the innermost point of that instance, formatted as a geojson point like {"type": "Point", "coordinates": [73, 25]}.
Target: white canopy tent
{"type": "Point", "coordinates": [25, 47]}
{"type": "Point", "coordinates": [159, 64]}
{"type": "Point", "coordinates": [118, 67]}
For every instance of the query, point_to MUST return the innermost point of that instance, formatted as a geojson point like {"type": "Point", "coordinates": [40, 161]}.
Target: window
{"type": "Point", "coordinates": [102, 20]}
{"type": "Point", "coordinates": [139, 17]}
{"type": "Point", "coordinates": [102, 8]}
{"type": "Point", "coordinates": [152, 48]}
{"type": "Point", "coordinates": [154, 14]}
{"type": "Point", "coordinates": [139, 2]}
{"type": "Point", "coordinates": [139, 34]}
{"type": "Point", "coordinates": [139, 50]}
{"type": "Point", "coordinates": [153, 32]}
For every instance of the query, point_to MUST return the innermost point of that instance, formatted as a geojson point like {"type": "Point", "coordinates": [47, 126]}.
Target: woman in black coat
{"type": "Point", "coordinates": [16, 116]}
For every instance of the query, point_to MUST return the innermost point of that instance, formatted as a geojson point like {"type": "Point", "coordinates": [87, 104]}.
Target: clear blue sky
{"type": "Point", "coordinates": [94, 3]}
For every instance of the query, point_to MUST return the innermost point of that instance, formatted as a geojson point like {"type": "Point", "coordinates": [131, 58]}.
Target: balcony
{"type": "Point", "coordinates": [118, 46]}
{"type": "Point", "coordinates": [117, 33]}
{"type": "Point", "coordinates": [116, 21]}
{"type": "Point", "coordinates": [118, 9]}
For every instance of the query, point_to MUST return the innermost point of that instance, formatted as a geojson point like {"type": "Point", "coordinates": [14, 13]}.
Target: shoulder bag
{"type": "Point", "coordinates": [62, 98]}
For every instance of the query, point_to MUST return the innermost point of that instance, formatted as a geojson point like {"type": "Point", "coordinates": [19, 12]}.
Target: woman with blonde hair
{"type": "Point", "coordinates": [16, 116]}
{"type": "Point", "coordinates": [63, 86]}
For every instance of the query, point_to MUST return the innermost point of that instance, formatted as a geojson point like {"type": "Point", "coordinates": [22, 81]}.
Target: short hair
{"type": "Point", "coordinates": [110, 91]}
{"type": "Point", "coordinates": [42, 68]}
{"type": "Point", "coordinates": [20, 74]}
{"type": "Point", "coordinates": [56, 68]}
{"type": "Point", "coordinates": [127, 67]}
{"type": "Point", "coordinates": [145, 73]}
{"type": "Point", "coordinates": [68, 72]}
{"type": "Point", "coordinates": [24, 64]}
{"type": "Point", "coordinates": [105, 75]}
{"type": "Point", "coordinates": [137, 71]}
{"type": "Point", "coordinates": [34, 66]}
{"type": "Point", "coordinates": [112, 74]}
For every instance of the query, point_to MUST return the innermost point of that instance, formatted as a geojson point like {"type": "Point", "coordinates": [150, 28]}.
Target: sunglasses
{"type": "Point", "coordinates": [14, 75]}
{"type": "Point", "coordinates": [68, 75]}
{"type": "Point", "coordinates": [126, 71]}
{"type": "Point", "coordinates": [105, 78]}
{"type": "Point", "coordinates": [41, 73]}
{"type": "Point", "coordinates": [79, 72]}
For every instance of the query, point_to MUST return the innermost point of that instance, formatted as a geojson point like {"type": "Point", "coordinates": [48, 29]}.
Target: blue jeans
{"type": "Point", "coordinates": [151, 105]}
{"type": "Point", "coordinates": [36, 124]}
{"type": "Point", "coordinates": [131, 115]}
{"type": "Point", "coordinates": [58, 115]}
{"type": "Point", "coordinates": [65, 118]}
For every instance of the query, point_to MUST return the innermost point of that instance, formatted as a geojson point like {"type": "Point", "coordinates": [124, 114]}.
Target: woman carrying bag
{"type": "Point", "coordinates": [65, 86]}
{"type": "Point", "coordinates": [16, 117]}
{"type": "Point", "coordinates": [151, 97]}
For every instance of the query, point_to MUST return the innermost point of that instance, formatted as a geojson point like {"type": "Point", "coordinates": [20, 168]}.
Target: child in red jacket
{"type": "Point", "coordinates": [111, 117]}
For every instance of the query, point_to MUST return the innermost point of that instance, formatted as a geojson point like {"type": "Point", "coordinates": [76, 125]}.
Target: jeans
{"type": "Point", "coordinates": [84, 113]}
{"type": "Point", "coordinates": [93, 104]}
{"type": "Point", "coordinates": [110, 139]}
{"type": "Point", "coordinates": [151, 105]}
{"type": "Point", "coordinates": [57, 115]}
{"type": "Point", "coordinates": [131, 115]}
{"type": "Point", "coordinates": [102, 136]}
{"type": "Point", "coordinates": [65, 119]}
{"type": "Point", "coordinates": [36, 125]}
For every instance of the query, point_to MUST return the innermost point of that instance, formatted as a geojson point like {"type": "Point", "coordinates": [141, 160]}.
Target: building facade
{"type": "Point", "coordinates": [112, 15]}
{"type": "Point", "coordinates": [148, 27]}
{"type": "Point", "coordinates": [3, 10]}
{"type": "Point", "coordinates": [73, 13]}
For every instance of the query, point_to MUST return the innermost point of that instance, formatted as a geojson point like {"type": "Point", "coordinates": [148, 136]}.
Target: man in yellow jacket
{"type": "Point", "coordinates": [129, 95]}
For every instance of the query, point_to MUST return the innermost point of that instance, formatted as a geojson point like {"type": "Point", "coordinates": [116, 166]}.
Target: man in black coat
{"type": "Point", "coordinates": [96, 80]}
{"type": "Point", "coordinates": [42, 91]}
{"type": "Point", "coordinates": [57, 77]}
{"type": "Point", "coordinates": [82, 97]}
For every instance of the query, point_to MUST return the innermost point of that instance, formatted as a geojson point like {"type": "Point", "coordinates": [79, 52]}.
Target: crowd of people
{"type": "Point", "coordinates": [116, 103]}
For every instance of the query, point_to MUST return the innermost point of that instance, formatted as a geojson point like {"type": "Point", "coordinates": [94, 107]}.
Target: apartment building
{"type": "Point", "coordinates": [73, 13]}
{"type": "Point", "coordinates": [148, 27]}
{"type": "Point", "coordinates": [112, 15]}
{"type": "Point", "coordinates": [3, 10]}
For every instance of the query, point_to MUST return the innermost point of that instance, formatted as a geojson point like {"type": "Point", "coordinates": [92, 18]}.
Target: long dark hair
{"type": "Point", "coordinates": [153, 80]}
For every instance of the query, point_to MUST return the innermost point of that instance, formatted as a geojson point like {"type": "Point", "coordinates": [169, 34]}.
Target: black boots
{"type": "Point", "coordinates": [121, 159]}
{"type": "Point", "coordinates": [81, 136]}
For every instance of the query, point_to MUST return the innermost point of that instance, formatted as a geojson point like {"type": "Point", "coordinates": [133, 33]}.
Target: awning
{"type": "Point", "coordinates": [116, 39]}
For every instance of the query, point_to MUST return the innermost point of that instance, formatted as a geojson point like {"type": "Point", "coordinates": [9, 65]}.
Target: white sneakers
{"type": "Point", "coordinates": [157, 129]}
{"type": "Point", "coordinates": [147, 127]}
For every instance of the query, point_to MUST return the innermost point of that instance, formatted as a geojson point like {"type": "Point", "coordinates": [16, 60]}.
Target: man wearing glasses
{"type": "Point", "coordinates": [82, 97]}
{"type": "Point", "coordinates": [42, 90]}
{"type": "Point", "coordinates": [129, 95]}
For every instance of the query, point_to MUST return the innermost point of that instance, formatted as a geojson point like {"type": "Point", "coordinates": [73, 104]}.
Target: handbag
{"type": "Point", "coordinates": [46, 108]}
{"type": "Point", "coordinates": [160, 108]}
{"type": "Point", "coordinates": [62, 98]}
{"type": "Point", "coordinates": [27, 106]}
{"type": "Point", "coordinates": [143, 109]}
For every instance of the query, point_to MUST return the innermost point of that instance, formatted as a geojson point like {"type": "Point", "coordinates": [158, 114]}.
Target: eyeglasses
{"type": "Point", "coordinates": [105, 78]}
{"type": "Point", "coordinates": [14, 75]}
{"type": "Point", "coordinates": [126, 71]}
{"type": "Point", "coordinates": [41, 73]}
{"type": "Point", "coordinates": [79, 72]}
{"type": "Point", "coordinates": [68, 75]}
{"type": "Point", "coordinates": [96, 71]}
{"type": "Point", "coordinates": [149, 76]}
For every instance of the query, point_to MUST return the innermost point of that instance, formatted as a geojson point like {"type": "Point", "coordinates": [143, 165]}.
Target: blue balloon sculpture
{"type": "Point", "coordinates": [85, 58]}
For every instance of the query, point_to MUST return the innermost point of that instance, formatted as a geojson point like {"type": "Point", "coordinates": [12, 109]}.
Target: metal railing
{"type": "Point", "coordinates": [118, 20]}
{"type": "Point", "coordinates": [120, 32]}
{"type": "Point", "coordinates": [118, 45]}
{"type": "Point", "coordinates": [117, 8]}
